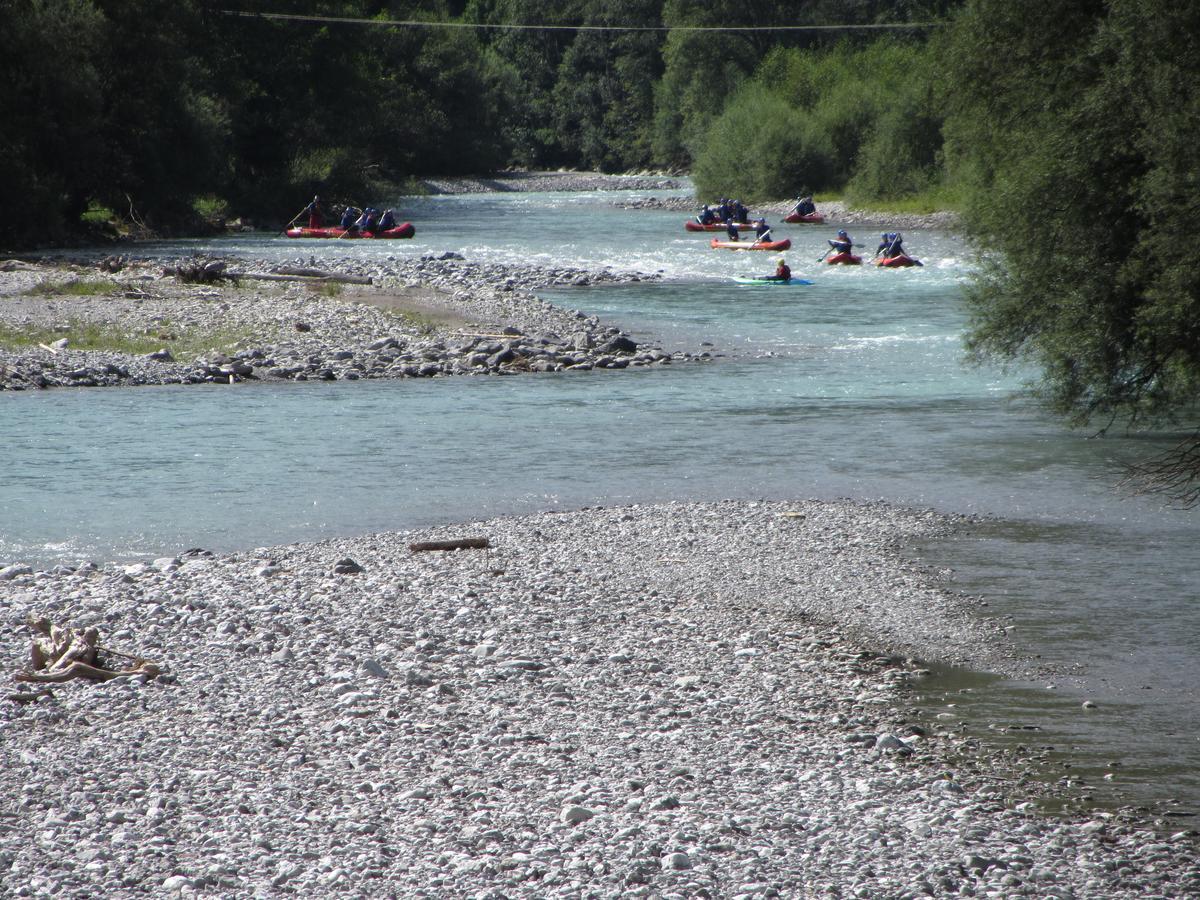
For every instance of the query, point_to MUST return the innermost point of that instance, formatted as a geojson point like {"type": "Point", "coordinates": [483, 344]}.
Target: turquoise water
{"type": "Point", "coordinates": [850, 387]}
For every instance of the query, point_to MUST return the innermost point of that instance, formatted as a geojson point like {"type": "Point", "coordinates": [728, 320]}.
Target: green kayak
{"type": "Point", "coordinates": [766, 281]}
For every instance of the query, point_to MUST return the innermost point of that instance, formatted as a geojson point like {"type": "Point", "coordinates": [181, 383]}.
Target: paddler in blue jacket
{"type": "Point", "coordinates": [366, 222]}
{"type": "Point", "coordinates": [731, 230]}
{"type": "Point", "coordinates": [891, 245]}
{"type": "Point", "coordinates": [842, 243]}
{"type": "Point", "coordinates": [387, 220]}
{"type": "Point", "coordinates": [804, 206]}
{"type": "Point", "coordinates": [762, 231]}
{"type": "Point", "coordinates": [348, 217]}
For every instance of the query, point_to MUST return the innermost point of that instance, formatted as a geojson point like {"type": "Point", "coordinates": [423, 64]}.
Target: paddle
{"type": "Point", "coordinates": [284, 229]}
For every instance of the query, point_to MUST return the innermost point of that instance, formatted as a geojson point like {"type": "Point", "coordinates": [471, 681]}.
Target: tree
{"type": "Point", "coordinates": [604, 92]}
{"type": "Point", "coordinates": [51, 114]}
{"type": "Point", "coordinates": [1079, 147]}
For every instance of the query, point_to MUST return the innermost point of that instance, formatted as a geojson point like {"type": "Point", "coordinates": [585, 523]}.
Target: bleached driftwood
{"type": "Point", "coordinates": [473, 543]}
{"type": "Point", "coordinates": [311, 275]}
{"type": "Point", "coordinates": [59, 654]}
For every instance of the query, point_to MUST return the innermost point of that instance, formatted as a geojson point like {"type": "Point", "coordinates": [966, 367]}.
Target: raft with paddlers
{"type": "Point", "coordinates": [406, 230]}
{"type": "Point", "coordinates": [897, 262]}
{"type": "Point", "coordinates": [693, 225]}
{"type": "Point", "coordinates": [785, 244]}
{"type": "Point", "coordinates": [810, 218]}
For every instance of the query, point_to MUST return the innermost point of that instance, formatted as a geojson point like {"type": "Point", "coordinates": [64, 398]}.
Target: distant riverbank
{"type": "Point", "coordinates": [835, 211]}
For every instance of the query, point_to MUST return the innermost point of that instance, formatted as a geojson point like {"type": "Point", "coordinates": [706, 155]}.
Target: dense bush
{"type": "Point", "coordinates": [859, 115]}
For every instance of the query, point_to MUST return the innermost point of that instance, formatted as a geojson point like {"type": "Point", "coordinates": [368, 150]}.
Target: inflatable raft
{"type": "Point", "coordinates": [400, 231]}
{"type": "Point", "coordinates": [897, 262]}
{"type": "Point", "coordinates": [785, 244]}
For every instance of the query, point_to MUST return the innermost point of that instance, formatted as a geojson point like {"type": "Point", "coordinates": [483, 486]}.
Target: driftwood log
{"type": "Point", "coordinates": [473, 543]}
{"type": "Point", "coordinates": [61, 654]}
{"type": "Point", "coordinates": [313, 275]}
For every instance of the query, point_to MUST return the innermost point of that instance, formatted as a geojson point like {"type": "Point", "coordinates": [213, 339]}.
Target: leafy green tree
{"type": "Point", "coordinates": [523, 65]}
{"type": "Point", "coordinates": [701, 71]}
{"type": "Point", "coordinates": [758, 150]}
{"type": "Point", "coordinates": [604, 94]}
{"type": "Point", "coordinates": [1079, 146]}
{"type": "Point", "coordinates": [162, 135]}
{"type": "Point", "coordinates": [51, 115]}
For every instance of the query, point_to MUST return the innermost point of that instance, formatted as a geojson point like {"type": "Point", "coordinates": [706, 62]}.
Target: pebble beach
{"type": "Point", "coordinates": [668, 700]}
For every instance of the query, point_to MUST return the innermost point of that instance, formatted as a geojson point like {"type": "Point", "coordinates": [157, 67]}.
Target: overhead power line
{"type": "Point", "coordinates": [416, 23]}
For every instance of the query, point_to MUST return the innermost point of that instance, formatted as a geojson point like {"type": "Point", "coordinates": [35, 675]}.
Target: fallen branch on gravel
{"type": "Point", "coordinates": [479, 543]}
{"type": "Point", "coordinates": [308, 275]}
{"type": "Point", "coordinates": [62, 654]}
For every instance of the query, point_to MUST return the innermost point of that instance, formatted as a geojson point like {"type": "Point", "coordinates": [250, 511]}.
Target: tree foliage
{"type": "Point", "coordinates": [1082, 156]}
{"type": "Point", "coordinates": [170, 102]}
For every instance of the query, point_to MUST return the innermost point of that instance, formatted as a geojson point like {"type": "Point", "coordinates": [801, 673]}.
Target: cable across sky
{"type": "Point", "coordinates": [417, 23]}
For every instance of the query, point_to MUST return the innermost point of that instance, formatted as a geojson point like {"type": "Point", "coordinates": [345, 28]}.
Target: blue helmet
{"type": "Point", "coordinates": [842, 233]}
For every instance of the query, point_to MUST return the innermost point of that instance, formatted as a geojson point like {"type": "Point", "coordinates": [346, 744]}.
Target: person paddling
{"type": "Point", "coordinates": [842, 243]}
{"type": "Point", "coordinates": [762, 231]}
{"type": "Point", "coordinates": [387, 220]}
{"type": "Point", "coordinates": [891, 245]}
{"type": "Point", "coordinates": [366, 222]}
{"type": "Point", "coordinates": [731, 230]}
{"type": "Point", "coordinates": [782, 272]}
{"type": "Point", "coordinates": [348, 217]}
{"type": "Point", "coordinates": [804, 206]}
{"type": "Point", "coordinates": [314, 213]}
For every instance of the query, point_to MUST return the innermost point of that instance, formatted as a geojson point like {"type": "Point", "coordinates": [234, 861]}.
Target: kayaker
{"type": "Point", "coordinates": [707, 216]}
{"type": "Point", "coordinates": [387, 220]}
{"type": "Point", "coordinates": [891, 245]}
{"type": "Point", "coordinates": [782, 272]}
{"type": "Point", "coordinates": [762, 231]}
{"type": "Point", "coordinates": [348, 217]}
{"type": "Point", "coordinates": [805, 206]}
{"type": "Point", "coordinates": [842, 243]}
{"type": "Point", "coordinates": [366, 222]}
{"type": "Point", "coordinates": [731, 230]}
{"type": "Point", "coordinates": [314, 213]}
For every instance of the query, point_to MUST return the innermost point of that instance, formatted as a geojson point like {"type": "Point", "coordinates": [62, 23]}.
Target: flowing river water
{"type": "Point", "coordinates": [852, 386]}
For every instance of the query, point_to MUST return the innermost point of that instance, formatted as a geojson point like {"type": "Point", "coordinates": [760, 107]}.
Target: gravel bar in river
{"type": "Point", "coordinates": [651, 701]}
{"type": "Point", "coordinates": [417, 318]}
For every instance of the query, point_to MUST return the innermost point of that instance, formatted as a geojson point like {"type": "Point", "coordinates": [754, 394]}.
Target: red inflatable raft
{"type": "Point", "coordinates": [797, 219]}
{"type": "Point", "coordinates": [844, 259]}
{"type": "Point", "coordinates": [751, 245]}
{"type": "Point", "coordinates": [897, 262]}
{"type": "Point", "coordinates": [693, 225]}
{"type": "Point", "coordinates": [400, 231]}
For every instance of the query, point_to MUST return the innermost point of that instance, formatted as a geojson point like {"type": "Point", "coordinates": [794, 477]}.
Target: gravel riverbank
{"type": "Point", "coordinates": [650, 701]}
{"type": "Point", "coordinates": [417, 318]}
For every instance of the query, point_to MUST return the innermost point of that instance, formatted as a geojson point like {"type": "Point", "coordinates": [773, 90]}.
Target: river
{"type": "Point", "coordinates": [850, 387]}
